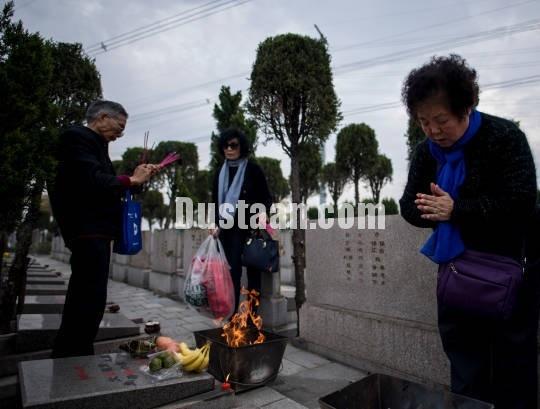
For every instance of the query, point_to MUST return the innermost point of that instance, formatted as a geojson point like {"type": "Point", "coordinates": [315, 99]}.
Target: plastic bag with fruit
{"type": "Point", "coordinates": [163, 365]}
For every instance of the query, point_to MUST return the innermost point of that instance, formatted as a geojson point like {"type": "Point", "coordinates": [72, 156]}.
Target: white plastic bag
{"type": "Point", "coordinates": [209, 287]}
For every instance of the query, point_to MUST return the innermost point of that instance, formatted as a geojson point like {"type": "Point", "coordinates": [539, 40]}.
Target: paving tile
{"type": "Point", "coordinates": [199, 326]}
{"type": "Point", "coordinates": [167, 302]}
{"type": "Point", "coordinates": [284, 404]}
{"type": "Point", "coordinates": [260, 396]}
{"type": "Point", "coordinates": [290, 368]}
{"type": "Point", "coordinates": [306, 359]}
{"type": "Point", "coordinates": [175, 308]}
{"type": "Point", "coordinates": [195, 319]}
{"type": "Point", "coordinates": [307, 386]}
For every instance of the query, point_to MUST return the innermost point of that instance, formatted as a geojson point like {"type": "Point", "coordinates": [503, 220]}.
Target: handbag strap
{"type": "Point", "coordinates": [128, 197]}
{"type": "Point", "coordinates": [262, 233]}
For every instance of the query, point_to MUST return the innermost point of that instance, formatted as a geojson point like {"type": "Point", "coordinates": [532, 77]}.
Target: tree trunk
{"type": "Point", "coordinates": [3, 247]}
{"type": "Point", "coordinates": [17, 272]}
{"type": "Point", "coordinates": [335, 198]}
{"type": "Point", "coordinates": [170, 212]}
{"type": "Point", "coordinates": [6, 288]}
{"type": "Point", "coordinates": [356, 191]}
{"type": "Point", "coordinates": [298, 238]}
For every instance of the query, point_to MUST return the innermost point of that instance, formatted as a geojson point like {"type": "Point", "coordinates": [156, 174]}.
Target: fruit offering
{"type": "Point", "coordinates": [193, 360]}
{"type": "Point", "coordinates": [164, 360]}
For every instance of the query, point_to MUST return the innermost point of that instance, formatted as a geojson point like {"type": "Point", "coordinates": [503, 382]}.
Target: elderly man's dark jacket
{"type": "Point", "coordinates": [86, 194]}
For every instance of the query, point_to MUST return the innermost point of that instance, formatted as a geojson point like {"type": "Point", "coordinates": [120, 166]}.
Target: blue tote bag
{"type": "Point", "coordinates": [130, 240]}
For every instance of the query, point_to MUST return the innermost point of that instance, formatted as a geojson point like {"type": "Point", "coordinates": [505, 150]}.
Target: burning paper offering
{"type": "Point", "coordinates": [245, 326]}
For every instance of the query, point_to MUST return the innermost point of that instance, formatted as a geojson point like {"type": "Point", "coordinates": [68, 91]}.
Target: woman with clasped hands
{"type": "Point", "coordinates": [473, 181]}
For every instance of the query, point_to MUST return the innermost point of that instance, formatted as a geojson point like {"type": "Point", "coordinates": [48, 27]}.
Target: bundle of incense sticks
{"type": "Point", "coordinates": [144, 153]}
{"type": "Point", "coordinates": [169, 159]}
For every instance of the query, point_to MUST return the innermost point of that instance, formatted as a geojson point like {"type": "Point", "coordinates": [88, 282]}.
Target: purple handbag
{"type": "Point", "coordinates": [480, 283]}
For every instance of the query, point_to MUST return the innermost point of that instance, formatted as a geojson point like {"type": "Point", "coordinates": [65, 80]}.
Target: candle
{"type": "Point", "coordinates": [226, 386]}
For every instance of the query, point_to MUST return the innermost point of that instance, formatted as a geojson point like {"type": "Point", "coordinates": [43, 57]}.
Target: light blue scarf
{"type": "Point", "coordinates": [230, 194]}
{"type": "Point", "coordinates": [445, 242]}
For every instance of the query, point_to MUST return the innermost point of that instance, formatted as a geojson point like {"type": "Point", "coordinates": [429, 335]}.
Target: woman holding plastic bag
{"type": "Point", "coordinates": [238, 179]}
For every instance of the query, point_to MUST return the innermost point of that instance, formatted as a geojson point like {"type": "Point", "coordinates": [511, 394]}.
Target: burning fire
{"type": "Point", "coordinates": [244, 327]}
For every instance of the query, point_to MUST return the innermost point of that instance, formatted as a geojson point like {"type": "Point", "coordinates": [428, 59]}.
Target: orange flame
{"type": "Point", "coordinates": [240, 330]}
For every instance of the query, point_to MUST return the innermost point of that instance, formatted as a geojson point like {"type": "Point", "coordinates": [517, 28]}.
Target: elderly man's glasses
{"type": "Point", "coordinates": [119, 124]}
{"type": "Point", "coordinates": [232, 145]}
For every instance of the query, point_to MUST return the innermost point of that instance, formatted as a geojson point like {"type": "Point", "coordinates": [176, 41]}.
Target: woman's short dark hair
{"type": "Point", "coordinates": [232, 133]}
{"type": "Point", "coordinates": [449, 78]}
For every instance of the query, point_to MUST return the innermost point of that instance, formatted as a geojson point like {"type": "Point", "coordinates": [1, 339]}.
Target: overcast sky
{"type": "Point", "coordinates": [169, 81]}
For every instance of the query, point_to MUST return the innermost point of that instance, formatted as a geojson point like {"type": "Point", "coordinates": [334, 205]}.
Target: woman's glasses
{"type": "Point", "coordinates": [232, 145]}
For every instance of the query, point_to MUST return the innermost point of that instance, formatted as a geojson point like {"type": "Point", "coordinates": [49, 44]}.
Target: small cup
{"type": "Point", "coordinates": [152, 327]}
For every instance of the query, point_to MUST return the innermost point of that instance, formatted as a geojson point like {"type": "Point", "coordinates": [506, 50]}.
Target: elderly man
{"type": "Point", "coordinates": [86, 202]}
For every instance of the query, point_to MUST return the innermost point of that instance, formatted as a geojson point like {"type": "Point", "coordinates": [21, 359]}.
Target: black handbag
{"type": "Point", "coordinates": [261, 252]}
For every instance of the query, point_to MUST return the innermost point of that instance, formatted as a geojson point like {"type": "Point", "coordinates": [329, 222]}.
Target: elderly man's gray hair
{"type": "Point", "coordinates": [106, 107]}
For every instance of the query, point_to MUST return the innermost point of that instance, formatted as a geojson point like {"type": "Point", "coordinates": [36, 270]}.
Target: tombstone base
{"type": "Point", "coordinates": [46, 289]}
{"type": "Point", "coordinates": [138, 277]}
{"type": "Point", "coordinates": [44, 304]}
{"type": "Point", "coordinates": [119, 272]}
{"type": "Point", "coordinates": [38, 331]}
{"type": "Point", "coordinates": [273, 311]}
{"type": "Point", "coordinates": [162, 283]}
{"type": "Point", "coordinates": [45, 280]}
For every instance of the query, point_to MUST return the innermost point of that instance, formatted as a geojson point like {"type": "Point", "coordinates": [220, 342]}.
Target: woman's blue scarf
{"type": "Point", "coordinates": [230, 194]}
{"type": "Point", "coordinates": [445, 242]}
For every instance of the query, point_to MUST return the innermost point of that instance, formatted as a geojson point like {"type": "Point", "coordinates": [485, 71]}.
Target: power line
{"type": "Point", "coordinates": [530, 25]}
{"type": "Point", "coordinates": [515, 82]}
{"type": "Point", "coordinates": [480, 36]}
{"type": "Point", "coordinates": [422, 29]}
{"type": "Point", "coordinates": [350, 67]}
{"type": "Point", "coordinates": [171, 109]}
{"type": "Point", "coordinates": [152, 28]}
{"type": "Point", "coordinates": [190, 88]}
{"type": "Point", "coordinates": [151, 25]}
{"type": "Point", "coordinates": [143, 33]}
{"type": "Point", "coordinates": [400, 13]}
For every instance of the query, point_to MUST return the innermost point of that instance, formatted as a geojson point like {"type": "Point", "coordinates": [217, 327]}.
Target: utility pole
{"type": "Point", "coordinates": [322, 190]}
{"type": "Point", "coordinates": [318, 31]}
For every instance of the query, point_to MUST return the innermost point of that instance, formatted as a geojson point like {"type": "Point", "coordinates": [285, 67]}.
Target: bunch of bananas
{"type": "Point", "coordinates": [194, 360]}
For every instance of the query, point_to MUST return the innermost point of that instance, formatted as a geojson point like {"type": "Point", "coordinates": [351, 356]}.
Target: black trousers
{"type": "Point", "coordinates": [496, 362]}
{"type": "Point", "coordinates": [233, 243]}
{"type": "Point", "coordinates": [85, 299]}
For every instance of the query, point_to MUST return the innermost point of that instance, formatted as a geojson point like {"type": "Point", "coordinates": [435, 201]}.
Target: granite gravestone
{"type": "Point", "coordinates": [44, 304]}
{"type": "Point", "coordinates": [138, 268]}
{"type": "Point", "coordinates": [46, 289]}
{"type": "Point", "coordinates": [112, 381]}
{"type": "Point", "coordinates": [163, 275]}
{"type": "Point", "coordinates": [45, 280]}
{"type": "Point", "coordinates": [371, 300]}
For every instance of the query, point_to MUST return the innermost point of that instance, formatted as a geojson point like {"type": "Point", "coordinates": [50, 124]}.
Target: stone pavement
{"type": "Point", "coordinates": [303, 379]}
